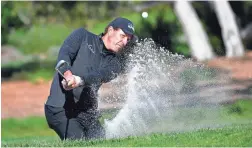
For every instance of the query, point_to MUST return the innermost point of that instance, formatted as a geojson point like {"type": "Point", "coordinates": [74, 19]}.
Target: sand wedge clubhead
{"type": "Point", "coordinates": [61, 65]}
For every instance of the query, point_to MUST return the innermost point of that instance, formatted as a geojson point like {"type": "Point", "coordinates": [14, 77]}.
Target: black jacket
{"type": "Point", "coordinates": [89, 59]}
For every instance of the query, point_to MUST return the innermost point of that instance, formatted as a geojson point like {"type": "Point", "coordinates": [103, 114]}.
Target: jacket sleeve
{"type": "Point", "coordinates": [104, 74]}
{"type": "Point", "coordinates": [70, 47]}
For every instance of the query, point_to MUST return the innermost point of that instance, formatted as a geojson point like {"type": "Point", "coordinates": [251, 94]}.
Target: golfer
{"type": "Point", "coordinates": [71, 108]}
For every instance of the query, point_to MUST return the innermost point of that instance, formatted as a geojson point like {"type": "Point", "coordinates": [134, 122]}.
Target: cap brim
{"type": "Point", "coordinates": [127, 32]}
{"type": "Point", "coordinates": [134, 38]}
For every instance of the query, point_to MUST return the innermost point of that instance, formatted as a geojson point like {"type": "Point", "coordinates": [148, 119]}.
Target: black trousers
{"type": "Point", "coordinates": [74, 124]}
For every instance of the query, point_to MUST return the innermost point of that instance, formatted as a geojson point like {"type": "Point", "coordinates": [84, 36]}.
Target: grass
{"type": "Point", "coordinates": [27, 127]}
{"type": "Point", "coordinates": [236, 135]}
{"type": "Point", "coordinates": [33, 131]}
{"type": "Point", "coordinates": [240, 110]}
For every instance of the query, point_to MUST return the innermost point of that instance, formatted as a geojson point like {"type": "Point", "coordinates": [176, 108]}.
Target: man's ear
{"type": "Point", "coordinates": [110, 30]}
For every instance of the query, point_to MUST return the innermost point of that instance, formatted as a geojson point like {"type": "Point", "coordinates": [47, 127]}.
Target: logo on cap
{"type": "Point", "coordinates": [131, 26]}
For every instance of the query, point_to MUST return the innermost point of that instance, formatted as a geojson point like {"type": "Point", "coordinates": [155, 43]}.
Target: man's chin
{"type": "Point", "coordinates": [118, 48]}
{"type": "Point", "coordinates": [114, 50]}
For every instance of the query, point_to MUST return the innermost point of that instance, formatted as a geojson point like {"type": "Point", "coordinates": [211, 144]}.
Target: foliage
{"type": "Point", "coordinates": [43, 19]}
{"type": "Point", "coordinates": [36, 26]}
{"type": "Point", "coordinates": [9, 20]}
{"type": "Point", "coordinates": [164, 28]}
{"type": "Point", "coordinates": [38, 39]}
{"type": "Point", "coordinates": [32, 70]}
{"type": "Point", "coordinates": [73, 14]}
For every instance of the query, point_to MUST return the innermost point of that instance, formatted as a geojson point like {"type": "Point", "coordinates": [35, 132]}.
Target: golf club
{"type": "Point", "coordinates": [60, 66]}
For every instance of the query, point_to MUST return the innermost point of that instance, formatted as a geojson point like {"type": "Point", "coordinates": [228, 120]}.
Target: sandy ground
{"type": "Point", "coordinates": [22, 98]}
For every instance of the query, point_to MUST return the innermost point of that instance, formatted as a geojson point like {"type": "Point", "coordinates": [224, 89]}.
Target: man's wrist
{"type": "Point", "coordinates": [79, 80]}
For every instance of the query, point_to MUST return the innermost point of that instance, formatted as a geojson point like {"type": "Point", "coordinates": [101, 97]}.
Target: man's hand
{"type": "Point", "coordinates": [72, 81]}
{"type": "Point", "coordinates": [65, 85]}
{"type": "Point", "coordinates": [68, 75]}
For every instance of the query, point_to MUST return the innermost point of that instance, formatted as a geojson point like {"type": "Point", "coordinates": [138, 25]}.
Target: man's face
{"type": "Point", "coordinates": [117, 39]}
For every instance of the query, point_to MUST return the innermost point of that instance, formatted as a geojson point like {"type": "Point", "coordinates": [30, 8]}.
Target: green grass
{"type": "Point", "coordinates": [236, 135]}
{"type": "Point", "coordinates": [27, 127]}
{"type": "Point", "coordinates": [33, 131]}
{"type": "Point", "coordinates": [238, 111]}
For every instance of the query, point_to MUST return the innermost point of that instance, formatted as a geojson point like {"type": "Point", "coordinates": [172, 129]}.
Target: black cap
{"type": "Point", "coordinates": [124, 24]}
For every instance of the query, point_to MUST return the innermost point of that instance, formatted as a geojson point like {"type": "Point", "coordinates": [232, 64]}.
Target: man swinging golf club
{"type": "Point", "coordinates": [85, 61]}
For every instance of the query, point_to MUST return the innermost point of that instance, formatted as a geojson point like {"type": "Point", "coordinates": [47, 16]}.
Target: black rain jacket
{"type": "Point", "coordinates": [89, 59]}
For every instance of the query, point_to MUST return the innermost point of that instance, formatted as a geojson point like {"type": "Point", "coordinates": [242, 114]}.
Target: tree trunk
{"type": "Point", "coordinates": [230, 33]}
{"type": "Point", "coordinates": [196, 36]}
